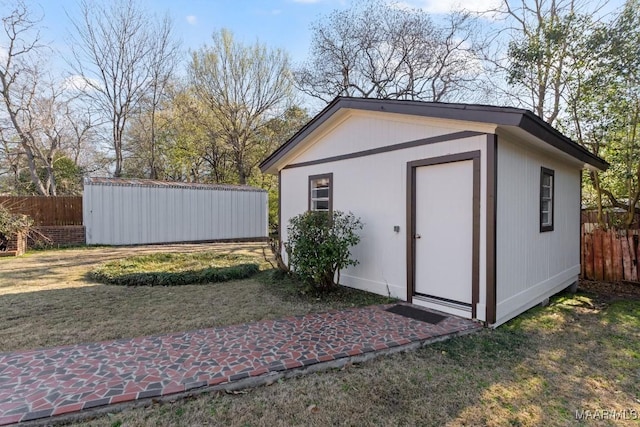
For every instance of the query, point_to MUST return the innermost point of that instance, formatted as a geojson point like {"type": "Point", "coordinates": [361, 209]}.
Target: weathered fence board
{"type": "Point", "coordinates": [610, 255]}
{"type": "Point", "coordinates": [627, 265]}
{"type": "Point", "coordinates": [607, 265]}
{"type": "Point", "coordinates": [598, 267]}
{"type": "Point", "coordinates": [633, 259]}
{"type": "Point", "coordinates": [47, 211]}
{"type": "Point", "coordinates": [617, 270]}
{"type": "Point", "coordinates": [587, 254]}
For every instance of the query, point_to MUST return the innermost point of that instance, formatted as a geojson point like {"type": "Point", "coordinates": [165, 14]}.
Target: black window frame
{"type": "Point", "coordinates": [547, 172]}
{"type": "Point", "coordinates": [313, 178]}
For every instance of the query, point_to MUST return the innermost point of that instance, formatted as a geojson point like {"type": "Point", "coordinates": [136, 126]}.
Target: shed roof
{"type": "Point", "coordinates": [135, 182]}
{"type": "Point", "coordinates": [500, 116]}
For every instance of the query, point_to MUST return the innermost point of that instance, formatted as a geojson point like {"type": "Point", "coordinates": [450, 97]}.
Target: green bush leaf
{"type": "Point", "coordinates": [171, 269]}
{"type": "Point", "coordinates": [319, 246]}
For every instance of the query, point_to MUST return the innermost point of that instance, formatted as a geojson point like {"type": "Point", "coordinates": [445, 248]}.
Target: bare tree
{"type": "Point", "coordinates": [376, 50]}
{"type": "Point", "coordinates": [83, 136]}
{"type": "Point", "coordinates": [163, 62]}
{"type": "Point", "coordinates": [243, 87]}
{"type": "Point", "coordinates": [117, 49]}
{"type": "Point", "coordinates": [10, 165]}
{"type": "Point", "coordinates": [29, 115]}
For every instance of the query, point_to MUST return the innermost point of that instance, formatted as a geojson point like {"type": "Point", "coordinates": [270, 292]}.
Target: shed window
{"type": "Point", "coordinates": [321, 192]}
{"type": "Point", "coordinates": [547, 184]}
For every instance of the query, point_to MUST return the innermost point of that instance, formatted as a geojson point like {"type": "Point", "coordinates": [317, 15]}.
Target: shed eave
{"type": "Point", "coordinates": [270, 164]}
{"type": "Point", "coordinates": [537, 127]}
{"type": "Point", "coordinates": [500, 116]}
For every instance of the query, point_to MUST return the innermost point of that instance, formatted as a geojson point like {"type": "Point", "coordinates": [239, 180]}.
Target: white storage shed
{"type": "Point", "coordinates": [472, 210]}
{"type": "Point", "coordinates": [141, 211]}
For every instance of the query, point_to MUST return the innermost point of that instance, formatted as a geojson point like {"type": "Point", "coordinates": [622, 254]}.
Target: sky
{"type": "Point", "coordinates": [281, 24]}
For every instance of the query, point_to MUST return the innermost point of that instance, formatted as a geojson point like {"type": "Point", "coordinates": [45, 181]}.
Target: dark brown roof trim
{"type": "Point", "coordinates": [387, 148]}
{"type": "Point", "coordinates": [320, 176]}
{"type": "Point", "coordinates": [280, 212]}
{"type": "Point", "coordinates": [546, 171]}
{"type": "Point", "coordinates": [543, 130]}
{"type": "Point", "coordinates": [312, 125]}
{"type": "Point", "coordinates": [502, 116]}
{"type": "Point", "coordinates": [411, 223]}
{"type": "Point", "coordinates": [491, 227]}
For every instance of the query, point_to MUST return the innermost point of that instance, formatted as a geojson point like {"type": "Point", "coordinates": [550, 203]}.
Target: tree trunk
{"type": "Point", "coordinates": [33, 172]}
{"type": "Point", "coordinates": [595, 180]}
{"type": "Point", "coordinates": [153, 173]}
{"type": "Point", "coordinates": [117, 146]}
{"type": "Point", "coordinates": [242, 175]}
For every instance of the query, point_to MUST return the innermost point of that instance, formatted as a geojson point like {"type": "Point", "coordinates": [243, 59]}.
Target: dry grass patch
{"type": "Point", "coordinates": [98, 313]}
{"type": "Point", "coordinates": [580, 353]}
{"type": "Point", "coordinates": [526, 373]}
{"type": "Point", "coordinates": [68, 268]}
{"type": "Point", "coordinates": [53, 303]}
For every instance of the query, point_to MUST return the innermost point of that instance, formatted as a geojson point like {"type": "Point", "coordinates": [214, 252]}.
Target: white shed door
{"type": "Point", "coordinates": [444, 231]}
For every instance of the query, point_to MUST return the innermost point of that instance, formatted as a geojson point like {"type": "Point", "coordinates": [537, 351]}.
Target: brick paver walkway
{"type": "Point", "coordinates": [54, 381]}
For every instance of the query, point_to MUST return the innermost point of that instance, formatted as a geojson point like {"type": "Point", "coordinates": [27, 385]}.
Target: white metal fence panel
{"type": "Point", "coordinates": [130, 212]}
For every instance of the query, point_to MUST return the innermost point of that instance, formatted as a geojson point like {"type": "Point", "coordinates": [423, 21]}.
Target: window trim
{"type": "Point", "coordinates": [314, 178]}
{"type": "Point", "coordinates": [550, 172]}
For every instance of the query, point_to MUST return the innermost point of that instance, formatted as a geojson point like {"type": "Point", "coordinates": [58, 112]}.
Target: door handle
{"type": "Point", "coordinates": [417, 236]}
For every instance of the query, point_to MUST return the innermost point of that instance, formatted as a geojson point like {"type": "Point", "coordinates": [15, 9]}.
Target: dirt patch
{"type": "Point", "coordinates": [607, 292]}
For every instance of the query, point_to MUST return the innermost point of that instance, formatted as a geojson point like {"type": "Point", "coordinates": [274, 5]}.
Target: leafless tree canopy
{"type": "Point", "coordinates": [125, 57]}
{"type": "Point", "coordinates": [375, 50]}
{"type": "Point", "coordinates": [29, 128]}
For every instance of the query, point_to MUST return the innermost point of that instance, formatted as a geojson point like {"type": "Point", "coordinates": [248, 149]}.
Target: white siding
{"type": "Point", "coordinates": [533, 265]}
{"type": "Point", "coordinates": [374, 189]}
{"type": "Point", "coordinates": [125, 215]}
{"type": "Point", "coordinates": [530, 265]}
{"type": "Point", "coordinates": [365, 131]}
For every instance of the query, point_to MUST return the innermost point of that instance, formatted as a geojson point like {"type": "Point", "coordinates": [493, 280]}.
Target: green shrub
{"type": "Point", "coordinates": [319, 246]}
{"type": "Point", "coordinates": [165, 278]}
{"type": "Point", "coordinates": [175, 269]}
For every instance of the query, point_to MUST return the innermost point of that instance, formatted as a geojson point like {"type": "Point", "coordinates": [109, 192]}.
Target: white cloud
{"type": "Point", "coordinates": [192, 19]}
{"type": "Point", "coordinates": [78, 83]}
{"type": "Point", "coordinates": [441, 6]}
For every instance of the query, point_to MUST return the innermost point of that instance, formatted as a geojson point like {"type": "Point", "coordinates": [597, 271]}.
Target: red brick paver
{"type": "Point", "coordinates": [42, 383]}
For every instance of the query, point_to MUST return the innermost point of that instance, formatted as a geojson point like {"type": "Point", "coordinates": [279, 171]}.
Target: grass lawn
{"type": "Point", "coordinates": [579, 354]}
{"type": "Point", "coordinates": [582, 353]}
{"type": "Point", "coordinates": [47, 298]}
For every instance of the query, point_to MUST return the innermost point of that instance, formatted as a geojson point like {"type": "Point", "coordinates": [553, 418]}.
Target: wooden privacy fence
{"type": "Point", "coordinates": [610, 255]}
{"type": "Point", "coordinates": [47, 211]}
